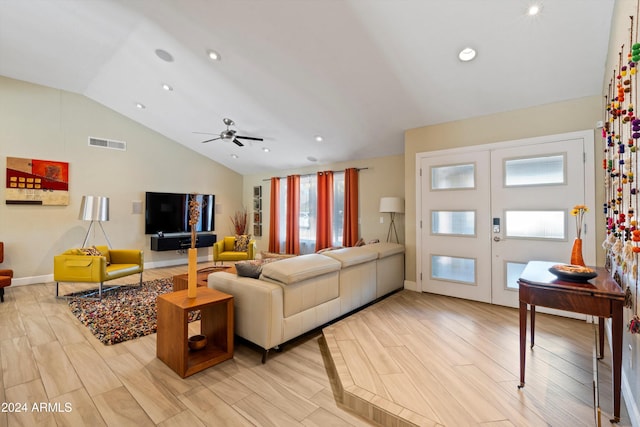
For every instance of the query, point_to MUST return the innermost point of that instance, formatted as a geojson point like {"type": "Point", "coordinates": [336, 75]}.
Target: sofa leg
{"type": "Point", "coordinates": [1, 294]}
{"type": "Point", "coordinates": [265, 353]}
{"type": "Point", "coordinates": [141, 278]}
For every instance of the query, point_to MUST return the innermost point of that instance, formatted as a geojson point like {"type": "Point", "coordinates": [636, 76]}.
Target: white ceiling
{"type": "Point", "coordinates": [357, 72]}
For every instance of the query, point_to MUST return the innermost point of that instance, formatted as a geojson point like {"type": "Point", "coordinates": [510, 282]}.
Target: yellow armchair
{"type": "Point", "coordinates": [76, 266]}
{"type": "Point", "coordinates": [225, 250]}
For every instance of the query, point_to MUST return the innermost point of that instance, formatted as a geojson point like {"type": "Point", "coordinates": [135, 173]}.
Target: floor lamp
{"type": "Point", "coordinates": [94, 209]}
{"type": "Point", "coordinates": [393, 205]}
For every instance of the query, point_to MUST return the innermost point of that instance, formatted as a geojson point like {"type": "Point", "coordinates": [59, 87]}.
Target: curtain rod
{"type": "Point", "coordinates": [310, 174]}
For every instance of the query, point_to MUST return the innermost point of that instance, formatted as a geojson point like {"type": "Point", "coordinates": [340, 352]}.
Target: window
{"type": "Point", "coordinates": [338, 208]}
{"type": "Point", "coordinates": [308, 211]}
{"type": "Point", "coordinates": [308, 216]}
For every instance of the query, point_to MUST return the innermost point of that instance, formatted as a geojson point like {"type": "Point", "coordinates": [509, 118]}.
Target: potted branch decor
{"type": "Point", "coordinates": [239, 221]}
{"type": "Point", "coordinates": [192, 277]}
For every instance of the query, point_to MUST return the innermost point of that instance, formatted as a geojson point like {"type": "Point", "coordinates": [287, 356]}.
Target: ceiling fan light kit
{"type": "Point", "coordinates": [230, 134]}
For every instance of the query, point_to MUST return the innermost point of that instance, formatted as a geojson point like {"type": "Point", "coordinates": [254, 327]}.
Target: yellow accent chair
{"type": "Point", "coordinates": [228, 249]}
{"type": "Point", "coordinates": [96, 265]}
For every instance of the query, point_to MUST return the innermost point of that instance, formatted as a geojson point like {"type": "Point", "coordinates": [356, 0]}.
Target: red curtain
{"type": "Point", "coordinates": [325, 210]}
{"type": "Point", "coordinates": [350, 235]}
{"type": "Point", "coordinates": [292, 242]}
{"type": "Point", "coordinates": [274, 216]}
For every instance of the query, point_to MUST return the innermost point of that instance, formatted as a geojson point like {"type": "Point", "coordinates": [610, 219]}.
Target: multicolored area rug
{"type": "Point", "coordinates": [124, 313]}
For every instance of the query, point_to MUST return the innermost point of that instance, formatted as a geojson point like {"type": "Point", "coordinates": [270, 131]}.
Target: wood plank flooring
{"type": "Point", "coordinates": [469, 350]}
{"type": "Point", "coordinates": [428, 360]}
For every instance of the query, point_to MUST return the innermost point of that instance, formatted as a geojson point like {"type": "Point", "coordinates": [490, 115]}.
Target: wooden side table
{"type": "Point", "coordinates": [600, 296]}
{"type": "Point", "coordinates": [180, 281]}
{"type": "Point", "coordinates": [216, 312]}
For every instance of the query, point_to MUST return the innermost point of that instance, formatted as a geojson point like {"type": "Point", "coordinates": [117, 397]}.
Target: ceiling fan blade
{"type": "Point", "coordinates": [209, 140]}
{"type": "Point", "coordinates": [205, 133]}
{"type": "Point", "coordinates": [253, 138]}
{"type": "Point", "coordinates": [238, 143]}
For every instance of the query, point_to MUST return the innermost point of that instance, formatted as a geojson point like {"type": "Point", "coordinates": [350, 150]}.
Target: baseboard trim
{"type": "Point", "coordinates": [32, 280]}
{"type": "Point", "coordinates": [411, 285]}
{"type": "Point", "coordinates": [630, 402]}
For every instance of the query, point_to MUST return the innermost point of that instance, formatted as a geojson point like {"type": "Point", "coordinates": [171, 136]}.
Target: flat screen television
{"type": "Point", "coordinates": [169, 213]}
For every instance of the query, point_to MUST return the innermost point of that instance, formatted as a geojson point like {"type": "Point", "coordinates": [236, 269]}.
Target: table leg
{"type": "Point", "coordinates": [616, 344]}
{"type": "Point", "coordinates": [523, 340]}
{"type": "Point", "coordinates": [533, 325]}
{"type": "Point", "coordinates": [601, 336]}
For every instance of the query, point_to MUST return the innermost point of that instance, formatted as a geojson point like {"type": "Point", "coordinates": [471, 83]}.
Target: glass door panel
{"type": "Point", "coordinates": [456, 269]}
{"type": "Point", "coordinates": [536, 224]}
{"type": "Point", "coordinates": [530, 171]}
{"type": "Point", "coordinates": [461, 223]}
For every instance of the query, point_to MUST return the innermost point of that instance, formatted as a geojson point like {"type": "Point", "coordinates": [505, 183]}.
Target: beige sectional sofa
{"type": "Point", "coordinates": [295, 295]}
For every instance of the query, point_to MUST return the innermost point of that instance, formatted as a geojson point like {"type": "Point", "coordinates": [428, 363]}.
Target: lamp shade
{"type": "Point", "coordinates": [392, 204]}
{"type": "Point", "coordinates": [94, 208]}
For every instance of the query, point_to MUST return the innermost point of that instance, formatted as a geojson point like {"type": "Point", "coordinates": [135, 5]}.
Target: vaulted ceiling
{"type": "Point", "coordinates": [358, 73]}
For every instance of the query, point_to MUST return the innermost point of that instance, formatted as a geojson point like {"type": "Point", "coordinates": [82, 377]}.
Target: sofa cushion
{"type": "Point", "coordinates": [229, 243]}
{"type": "Point", "coordinates": [242, 243]}
{"type": "Point", "coordinates": [248, 269]}
{"type": "Point", "coordinates": [104, 250]}
{"type": "Point", "coordinates": [91, 251]}
{"type": "Point", "coordinates": [273, 255]}
{"type": "Point", "coordinates": [296, 269]}
{"type": "Point", "coordinates": [385, 249]}
{"type": "Point", "coordinates": [352, 256]}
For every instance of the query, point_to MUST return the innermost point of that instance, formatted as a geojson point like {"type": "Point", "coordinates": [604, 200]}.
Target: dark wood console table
{"type": "Point", "coordinates": [601, 297]}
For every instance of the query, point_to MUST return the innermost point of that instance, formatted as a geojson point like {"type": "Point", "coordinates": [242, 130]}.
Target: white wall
{"type": "Point", "coordinates": [43, 123]}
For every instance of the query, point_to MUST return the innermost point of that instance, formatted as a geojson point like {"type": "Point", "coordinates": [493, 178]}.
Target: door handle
{"type": "Point", "coordinates": [496, 238]}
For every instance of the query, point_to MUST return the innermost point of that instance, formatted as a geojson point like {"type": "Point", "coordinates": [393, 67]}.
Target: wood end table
{"type": "Point", "coordinates": [216, 313]}
{"type": "Point", "coordinates": [601, 297]}
{"type": "Point", "coordinates": [181, 281]}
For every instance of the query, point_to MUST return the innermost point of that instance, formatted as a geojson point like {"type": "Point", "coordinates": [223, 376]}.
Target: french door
{"type": "Point", "coordinates": [486, 211]}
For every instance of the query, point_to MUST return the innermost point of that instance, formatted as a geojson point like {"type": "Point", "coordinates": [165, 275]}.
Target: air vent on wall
{"type": "Point", "coordinates": [108, 143]}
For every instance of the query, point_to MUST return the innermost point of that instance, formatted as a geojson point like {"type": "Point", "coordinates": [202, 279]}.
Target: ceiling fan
{"type": "Point", "coordinates": [230, 134]}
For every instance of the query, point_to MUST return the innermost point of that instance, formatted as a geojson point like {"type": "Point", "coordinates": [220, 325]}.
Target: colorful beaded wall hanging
{"type": "Point", "coordinates": [621, 135]}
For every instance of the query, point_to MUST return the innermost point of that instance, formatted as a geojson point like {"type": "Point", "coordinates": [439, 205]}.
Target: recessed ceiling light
{"type": "Point", "coordinates": [467, 54]}
{"type": "Point", "coordinates": [534, 9]}
{"type": "Point", "coordinates": [140, 106]}
{"type": "Point", "coordinates": [213, 55]}
{"type": "Point", "coordinates": [319, 138]}
{"type": "Point", "coordinates": [167, 87]}
{"type": "Point", "coordinates": [266, 149]}
{"type": "Point", "coordinates": [234, 156]}
{"type": "Point", "coordinates": [312, 159]}
{"type": "Point", "coordinates": [164, 55]}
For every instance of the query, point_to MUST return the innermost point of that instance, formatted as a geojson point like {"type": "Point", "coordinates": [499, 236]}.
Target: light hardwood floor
{"type": "Point", "coordinates": [48, 357]}
{"type": "Point", "coordinates": [423, 359]}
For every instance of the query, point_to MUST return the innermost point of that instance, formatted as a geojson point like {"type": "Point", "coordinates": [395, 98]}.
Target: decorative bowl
{"type": "Point", "coordinates": [197, 342]}
{"type": "Point", "coordinates": [573, 273]}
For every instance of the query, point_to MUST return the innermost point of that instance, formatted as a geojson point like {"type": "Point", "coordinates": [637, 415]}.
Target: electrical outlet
{"type": "Point", "coordinates": [381, 220]}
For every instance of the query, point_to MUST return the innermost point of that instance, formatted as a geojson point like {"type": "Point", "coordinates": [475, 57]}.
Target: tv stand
{"type": "Point", "coordinates": [181, 241]}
